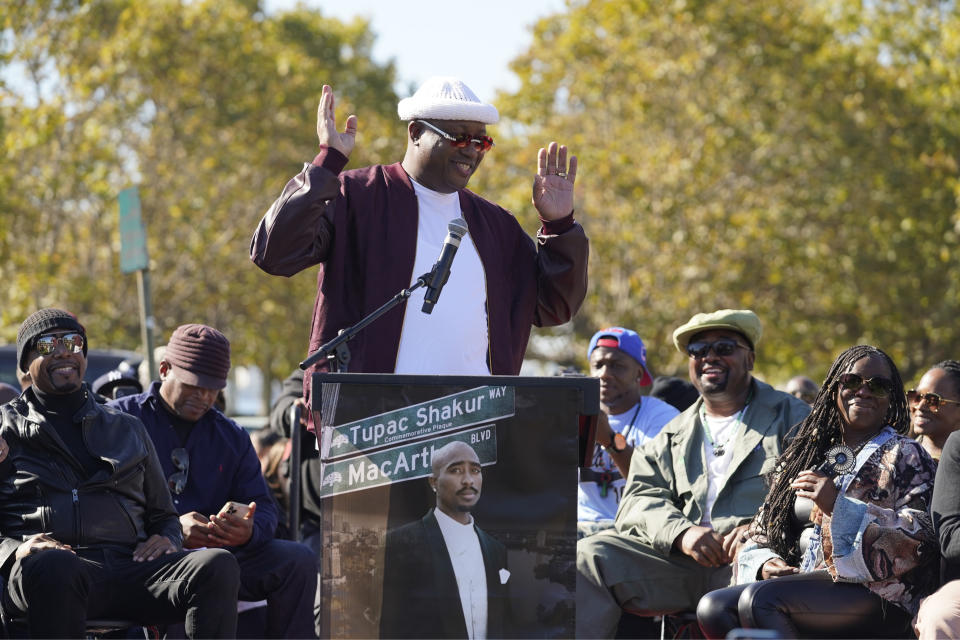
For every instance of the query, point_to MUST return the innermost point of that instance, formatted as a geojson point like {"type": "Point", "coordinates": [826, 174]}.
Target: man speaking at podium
{"type": "Point", "coordinates": [375, 230]}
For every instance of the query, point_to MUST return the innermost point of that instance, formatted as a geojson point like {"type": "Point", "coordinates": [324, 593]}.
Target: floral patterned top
{"type": "Point", "coordinates": [880, 534]}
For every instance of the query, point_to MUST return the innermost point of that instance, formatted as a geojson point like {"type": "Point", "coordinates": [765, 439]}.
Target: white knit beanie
{"type": "Point", "coordinates": [441, 98]}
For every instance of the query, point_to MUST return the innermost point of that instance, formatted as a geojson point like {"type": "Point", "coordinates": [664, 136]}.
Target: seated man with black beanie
{"type": "Point", "coordinates": [87, 527]}
{"type": "Point", "coordinates": [218, 487]}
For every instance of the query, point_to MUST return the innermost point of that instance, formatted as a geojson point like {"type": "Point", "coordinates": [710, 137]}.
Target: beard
{"type": "Point", "coordinates": [715, 386]}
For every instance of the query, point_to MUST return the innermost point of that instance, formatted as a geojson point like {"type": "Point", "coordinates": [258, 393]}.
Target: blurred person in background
{"type": "Point", "coordinates": [311, 471]}
{"type": "Point", "coordinates": [939, 615]}
{"type": "Point", "coordinates": [676, 392]}
{"type": "Point", "coordinates": [935, 406]}
{"type": "Point", "coordinates": [802, 387]}
{"type": "Point", "coordinates": [271, 450]}
{"type": "Point", "coordinates": [117, 383]}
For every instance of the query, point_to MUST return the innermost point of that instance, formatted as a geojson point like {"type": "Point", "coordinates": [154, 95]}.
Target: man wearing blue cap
{"type": "Point", "coordinates": [619, 359]}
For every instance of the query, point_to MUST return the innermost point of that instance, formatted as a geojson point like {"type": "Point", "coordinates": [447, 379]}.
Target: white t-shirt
{"type": "Point", "coordinates": [723, 431]}
{"type": "Point", "coordinates": [638, 425]}
{"type": "Point", "coordinates": [467, 560]}
{"type": "Point", "coordinates": [452, 340]}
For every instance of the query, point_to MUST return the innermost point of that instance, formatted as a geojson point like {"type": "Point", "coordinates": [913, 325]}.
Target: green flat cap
{"type": "Point", "coordinates": [742, 321]}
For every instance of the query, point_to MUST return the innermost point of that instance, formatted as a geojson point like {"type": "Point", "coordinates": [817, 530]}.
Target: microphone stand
{"type": "Point", "coordinates": [337, 352]}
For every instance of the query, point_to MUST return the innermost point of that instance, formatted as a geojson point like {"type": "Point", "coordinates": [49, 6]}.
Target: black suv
{"type": "Point", "coordinates": [99, 362]}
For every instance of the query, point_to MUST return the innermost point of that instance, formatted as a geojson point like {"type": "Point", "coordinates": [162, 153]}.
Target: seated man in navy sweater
{"type": "Point", "coordinates": [214, 475]}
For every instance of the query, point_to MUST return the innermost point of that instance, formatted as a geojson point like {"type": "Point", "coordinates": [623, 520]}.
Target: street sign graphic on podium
{"type": "Point", "coordinates": [398, 454]}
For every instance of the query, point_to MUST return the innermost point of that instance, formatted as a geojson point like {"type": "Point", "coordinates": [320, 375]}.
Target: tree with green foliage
{"type": "Point", "coordinates": [209, 107]}
{"type": "Point", "coordinates": [796, 159]}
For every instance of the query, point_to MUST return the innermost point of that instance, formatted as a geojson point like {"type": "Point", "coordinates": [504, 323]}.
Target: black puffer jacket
{"type": "Point", "coordinates": [44, 488]}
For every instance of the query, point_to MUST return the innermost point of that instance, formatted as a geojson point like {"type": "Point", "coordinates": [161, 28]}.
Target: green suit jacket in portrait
{"type": "Point", "coordinates": [666, 488]}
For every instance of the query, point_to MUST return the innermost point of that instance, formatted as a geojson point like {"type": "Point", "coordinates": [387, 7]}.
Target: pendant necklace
{"type": "Point", "coordinates": [719, 449]}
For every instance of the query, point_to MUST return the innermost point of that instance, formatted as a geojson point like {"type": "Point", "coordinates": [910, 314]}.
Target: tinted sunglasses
{"type": "Point", "coordinates": [878, 385]}
{"type": "Point", "coordinates": [933, 400]}
{"type": "Point", "coordinates": [482, 143]}
{"type": "Point", "coordinates": [178, 479]}
{"type": "Point", "coordinates": [72, 342]}
{"type": "Point", "coordinates": [721, 347]}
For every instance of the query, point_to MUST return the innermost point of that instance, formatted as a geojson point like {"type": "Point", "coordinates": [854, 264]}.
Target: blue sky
{"type": "Point", "coordinates": [474, 41]}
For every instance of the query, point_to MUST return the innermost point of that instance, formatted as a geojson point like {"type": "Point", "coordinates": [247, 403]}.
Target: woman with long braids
{"type": "Point", "coordinates": [935, 406]}
{"type": "Point", "coordinates": [872, 554]}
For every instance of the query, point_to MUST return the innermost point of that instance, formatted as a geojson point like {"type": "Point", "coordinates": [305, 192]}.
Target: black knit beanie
{"type": "Point", "coordinates": [41, 322]}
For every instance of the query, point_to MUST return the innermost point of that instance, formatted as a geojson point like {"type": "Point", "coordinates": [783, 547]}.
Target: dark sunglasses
{"type": "Point", "coordinates": [482, 143]}
{"type": "Point", "coordinates": [45, 345]}
{"type": "Point", "coordinates": [721, 347]}
{"type": "Point", "coordinates": [178, 479]}
{"type": "Point", "coordinates": [933, 400]}
{"type": "Point", "coordinates": [878, 385]}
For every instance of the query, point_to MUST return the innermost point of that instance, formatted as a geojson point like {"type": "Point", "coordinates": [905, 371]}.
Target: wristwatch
{"type": "Point", "coordinates": [618, 442]}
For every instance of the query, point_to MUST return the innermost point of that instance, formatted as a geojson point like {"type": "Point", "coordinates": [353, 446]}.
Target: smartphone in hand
{"type": "Point", "coordinates": [234, 508]}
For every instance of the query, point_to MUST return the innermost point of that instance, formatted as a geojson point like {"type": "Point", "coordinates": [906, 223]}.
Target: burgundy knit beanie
{"type": "Point", "coordinates": [200, 356]}
{"type": "Point", "coordinates": [39, 323]}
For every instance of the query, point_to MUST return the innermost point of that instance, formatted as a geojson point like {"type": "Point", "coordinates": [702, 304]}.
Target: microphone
{"type": "Point", "coordinates": [456, 229]}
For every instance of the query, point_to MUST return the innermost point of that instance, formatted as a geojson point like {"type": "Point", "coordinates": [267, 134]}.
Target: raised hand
{"type": "Point", "coordinates": [327, 132]}
{"type": "Point", "coordinates": [553, 184]}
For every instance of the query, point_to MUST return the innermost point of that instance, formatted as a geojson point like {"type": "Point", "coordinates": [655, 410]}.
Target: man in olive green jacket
{"type": "Point", "coordinates": [691, 491]}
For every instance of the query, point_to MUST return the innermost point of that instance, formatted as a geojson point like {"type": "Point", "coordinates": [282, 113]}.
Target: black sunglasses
{"type": "Point", "coordinates": [721, 347]}
{"type": "Point", "coordinates": [933, 400]}
{"type": "Point", "coordinates": [878, 385]}
{"type": "Point", "coordinates": [178, 479]}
